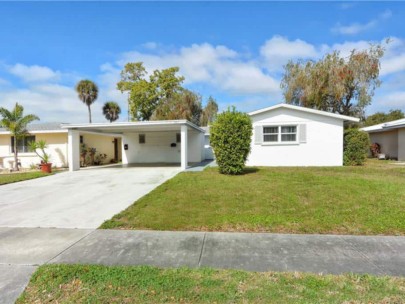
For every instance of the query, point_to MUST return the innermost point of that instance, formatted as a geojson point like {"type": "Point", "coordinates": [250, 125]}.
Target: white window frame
{"type": "Point", "coordinates": [279, 141]}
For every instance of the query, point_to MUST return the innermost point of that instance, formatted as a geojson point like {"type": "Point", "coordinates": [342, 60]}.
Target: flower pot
{"type": "Point", "coordinates": [47, 168]}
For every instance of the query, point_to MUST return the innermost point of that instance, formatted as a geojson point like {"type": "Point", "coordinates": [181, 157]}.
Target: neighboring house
{"type": "Point", "coordinates": [209, 154]}
{"type": "Point", "coordinates": [287, 135]}
{"type": "Point", "coordinates": [391, 138]}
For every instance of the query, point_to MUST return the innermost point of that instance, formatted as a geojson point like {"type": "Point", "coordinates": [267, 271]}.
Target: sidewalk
{"type": "Point", "coordinates": [22, 247]}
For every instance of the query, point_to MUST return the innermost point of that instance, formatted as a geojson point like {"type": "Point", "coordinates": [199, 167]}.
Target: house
{"type": "Point", "coordinates": [283, 135]}
{"type": "Point", "coordinates": [173, 142]}
{"type": "Point", "coordinates": [288, 135]}
{"type": "Point", "coordinates": [391, 138]}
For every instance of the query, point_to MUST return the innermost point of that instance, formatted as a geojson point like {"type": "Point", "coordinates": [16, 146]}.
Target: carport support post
{"type": "Point", "coordinates": [184, 146]}
{"type": "Point", "coordinates": [74, 150]}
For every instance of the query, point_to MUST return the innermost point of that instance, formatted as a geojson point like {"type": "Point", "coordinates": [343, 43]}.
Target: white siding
{"type": "Point", "coordinates": [323, 145]}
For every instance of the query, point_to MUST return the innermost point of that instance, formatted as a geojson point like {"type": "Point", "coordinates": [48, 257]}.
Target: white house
{"type": "Point", "coordinates": [284, 135]}
{"type": "Point", "coordinates": [287, 135]}
{"type": "Point", "coordinates": [391, 138]}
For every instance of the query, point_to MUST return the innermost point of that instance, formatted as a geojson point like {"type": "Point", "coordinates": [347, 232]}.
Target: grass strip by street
{"type": "Point", "coordinates": [367, 200]}
{"type": "Point", "coordinates": [18, 177]}
{"type": "Point", "coordinates": [144, 284]}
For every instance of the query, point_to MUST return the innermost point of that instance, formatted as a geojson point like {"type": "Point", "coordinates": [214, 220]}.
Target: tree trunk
{"type": "Point", "coordinates": [15, 154]}
{"type": "Point", "coordinates": [89, 113]}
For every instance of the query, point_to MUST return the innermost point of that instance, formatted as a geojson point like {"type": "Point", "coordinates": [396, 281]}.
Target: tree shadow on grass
{"type": "Point", "coordinates": [250, 170]}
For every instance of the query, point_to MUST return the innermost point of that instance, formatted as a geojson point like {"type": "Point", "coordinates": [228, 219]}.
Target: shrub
{"type": "Point", "coordinates": [231, 134]}
{"type": "Point", "coordinates": [356, 145]}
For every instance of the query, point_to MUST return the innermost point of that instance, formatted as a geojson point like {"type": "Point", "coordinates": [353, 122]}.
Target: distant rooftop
{"type": "Point", "coordinates": [37, 127]}
{"type": "Point", "coordinates": [395, 124]}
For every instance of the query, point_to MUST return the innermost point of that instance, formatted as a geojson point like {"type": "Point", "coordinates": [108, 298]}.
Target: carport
{"type": "Point", "coordinates": [147, 142]}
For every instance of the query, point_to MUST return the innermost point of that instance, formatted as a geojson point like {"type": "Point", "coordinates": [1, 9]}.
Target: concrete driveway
{"type": "Point", "coordinates": [81, 199]}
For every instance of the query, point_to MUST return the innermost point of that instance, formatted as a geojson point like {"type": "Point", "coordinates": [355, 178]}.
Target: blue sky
{"type": "Point", "coordinates": [233, 51]}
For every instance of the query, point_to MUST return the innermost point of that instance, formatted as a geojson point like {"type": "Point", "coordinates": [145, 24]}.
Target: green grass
{"type": "Point", "coordinates": [341, 200]}
{"type": "Point", "coordinates": [126, 284]}
{"type": "Point", "coordinates": [18, 177]}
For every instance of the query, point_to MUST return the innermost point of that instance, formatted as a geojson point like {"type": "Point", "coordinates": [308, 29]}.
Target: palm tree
{"type": "Point", "coordinates": [15, 122]}
{"type": "Point", "coordinates": [111, 111]}
{"type": "Point", "coordinates": [88, 93]}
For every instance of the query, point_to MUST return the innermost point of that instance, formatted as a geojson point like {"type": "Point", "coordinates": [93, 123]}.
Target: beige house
{"type": "Point", "coordinates": [391, 138]}
{"type": "Point", "coordinates": [57, 139]}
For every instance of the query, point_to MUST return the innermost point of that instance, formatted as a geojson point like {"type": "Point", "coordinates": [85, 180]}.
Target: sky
{"type": "Point", "coordinates": [233, 51]}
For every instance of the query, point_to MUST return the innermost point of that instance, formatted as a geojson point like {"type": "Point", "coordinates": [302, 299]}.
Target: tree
{"type": "Point", "coordinates": [145, 94]}
{"type": "Point", "coordinates": [335, 84]}
{"type": "Point", "coordinates": [88, 93]}
{"type": "Point", "coordinates": [183, 105]}
{"type": "Point", "coordinates": [111, 111]}
{"type": "Point", "coordinates": [231, 134]}
{"type": "Point", "coordinates": [381, 117]}
{"type": "Point", "coordinates": [209, 112]}
{"type": "Point", "coordinates": [15, 122]}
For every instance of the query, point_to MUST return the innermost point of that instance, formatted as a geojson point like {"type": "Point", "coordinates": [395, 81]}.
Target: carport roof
{"type": "Point", "coordinates": [121, 127]}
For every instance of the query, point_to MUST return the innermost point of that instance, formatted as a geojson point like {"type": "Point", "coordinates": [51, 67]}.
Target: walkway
{"type": "Point", "coordinates": [23, 249]}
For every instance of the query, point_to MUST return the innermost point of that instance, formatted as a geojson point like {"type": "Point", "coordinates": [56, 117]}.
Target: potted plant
{"type": "Point", "coordinates": [41, 145]}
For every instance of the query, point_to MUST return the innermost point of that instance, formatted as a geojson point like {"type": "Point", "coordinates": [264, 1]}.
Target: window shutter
{"type": "Point", "coordinates": [258, 135]}
{"type": "Point", "coordinates": [303, 133]}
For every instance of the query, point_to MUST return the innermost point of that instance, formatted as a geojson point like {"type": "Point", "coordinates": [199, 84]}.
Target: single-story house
{"type": "Point", "coordinates": [283, 135]}
{"type": "Point", "coordinates": [391, 138]}
{"type": "Point", "coordinates": [175, 142]}
{"type": "Point", "coordinates": [288, 135]}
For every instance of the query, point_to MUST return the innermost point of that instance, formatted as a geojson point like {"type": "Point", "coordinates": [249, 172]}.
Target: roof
{"type": "Point", "coordinates": [303, 109]}
{"type": "Point", "coordinates": [50, 127]}
{"type": "Point", "coordinates": [127, 126]}
{"type": "Point", "coordinates": [395, 124]}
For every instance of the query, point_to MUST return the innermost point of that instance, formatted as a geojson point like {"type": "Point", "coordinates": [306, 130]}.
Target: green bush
{"type": "Point", "coordinates": [356, 145]}
{"type": "Point", "coordinates": [231, 134]}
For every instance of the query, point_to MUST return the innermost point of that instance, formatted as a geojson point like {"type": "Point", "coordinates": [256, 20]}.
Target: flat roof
{"type": "Point", "coordinates": [155, 125]}
{"type": "Point", "coordinates": [303, 109]}
{"type": "Point", "coordinates": [395, 124]}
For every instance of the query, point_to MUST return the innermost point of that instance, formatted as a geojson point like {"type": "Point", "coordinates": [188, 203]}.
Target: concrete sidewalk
{"type": "Point", "coordinates": [22, 249]}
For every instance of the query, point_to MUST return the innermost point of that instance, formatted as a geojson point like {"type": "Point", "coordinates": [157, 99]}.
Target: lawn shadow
{"type": "Point", "coordinates": [250, 170]}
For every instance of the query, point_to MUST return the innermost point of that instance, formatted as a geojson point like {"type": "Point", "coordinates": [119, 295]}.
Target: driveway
{"type": "Point", "coordinates": [81, 199]}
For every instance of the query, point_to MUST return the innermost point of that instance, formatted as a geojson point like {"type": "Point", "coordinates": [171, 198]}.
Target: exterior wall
{"type": "Point", "coordinates": [104, 144]}
{"type": "Point", "coordinates": [388, 141]}
{"type": "Point", "coordinates": [401, 144]}
{"type": "Point", "coordinates": [323, 145]}
{"type": "Point", "coordinates": [57, 148]}
{"type": "Point", "coordinates": [209, 154]}
{"type": "Point", "coordinates": [157, 147]}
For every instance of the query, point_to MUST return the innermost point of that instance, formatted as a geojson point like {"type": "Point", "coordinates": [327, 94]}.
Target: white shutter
{"type": "Point", "coordinates": [258, 135]}
{"type": "Point", "coordinates": [303, 133]}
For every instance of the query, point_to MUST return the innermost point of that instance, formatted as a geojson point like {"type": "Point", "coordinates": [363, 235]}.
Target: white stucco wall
{"type": "Point", "coordinates": [323, 146]}
{"type": "Point", "coordinates": [401, 144]}
{"type": "Point", "coordinates": [388, 141]}
{"type": "Point", "coordinates": [57, 148]}
{"type": "Point", "coordinates": [157, 149]}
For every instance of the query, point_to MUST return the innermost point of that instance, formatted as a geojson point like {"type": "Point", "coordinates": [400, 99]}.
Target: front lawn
{"type": "Point", "coordinates": [120, 284]}
{"type": "Point", "coordinates": [18, 177]}
{"type": "Point", "coordinates": [340, 200]}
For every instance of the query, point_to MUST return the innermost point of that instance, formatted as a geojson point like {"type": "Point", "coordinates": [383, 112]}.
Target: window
{"type": "Point", "coordinates": [142, 138]}
{"type": "Point", "coordinates": [275, 134]}
{"type": "Point", "coordinates": [178, 138]}
{"type": "Point", "coordinates": [288, 133]}
{"type": "Point", "coordinates": [22, 144]}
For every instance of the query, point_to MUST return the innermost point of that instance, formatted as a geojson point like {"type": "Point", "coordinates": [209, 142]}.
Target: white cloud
{"type": "Point", "coordinates": [278, 50]}
{"type": "Point", "coordinates": [356, 28]}
{"type": "Point", "coordinates": [218, 66]}
{"type": "Point", "coordinates": [392, 100]}
{"type": "Point", "coordinates": [34, 73]}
